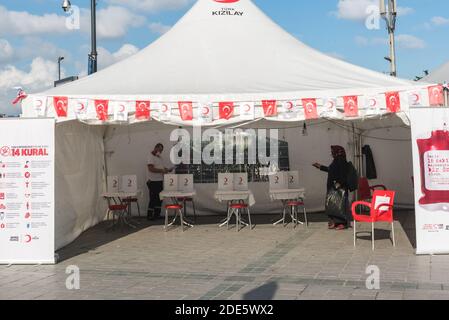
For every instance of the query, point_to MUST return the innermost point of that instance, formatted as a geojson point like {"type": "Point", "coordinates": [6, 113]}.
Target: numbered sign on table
{"type": "Point", "coordinates": [171, 182]}
{"type": "Point", "coordinates": [129, 184]}
{"type": "Point", "coordinates": [278, 180]}
{"type": "Point", "coordinates": [113, 184]}
{"type": "Point", "coordinates": [226, 181]}
{"type": "Point", "coordinates": [241, 181]}
{"type": "Point", "coordinates": [185, 182]}
{"type": "Point", "coordinates": [293, 180]}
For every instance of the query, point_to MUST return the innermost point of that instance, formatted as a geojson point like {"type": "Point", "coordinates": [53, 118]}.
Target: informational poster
{"type": "Point", "coordinates": [27, 166]}
{"type": "Point", "coordinates": [430, 139]}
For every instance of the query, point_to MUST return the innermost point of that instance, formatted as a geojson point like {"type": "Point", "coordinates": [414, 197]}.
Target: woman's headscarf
{"type": "Point", "coordinates": [338, 152]}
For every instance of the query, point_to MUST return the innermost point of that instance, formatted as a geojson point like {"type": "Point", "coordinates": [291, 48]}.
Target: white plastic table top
{"type": "Point", "coordinates": [287, 194]}
{"type": "Point", "coordinates": [122, 195]}
{"type": "Point", "coordinates": [177, 194]}
{"type": "Point", "coordinates": [233, 195]}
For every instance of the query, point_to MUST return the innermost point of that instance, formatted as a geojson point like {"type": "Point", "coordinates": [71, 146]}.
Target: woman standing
{"type": "Point", "coordinates": [337, 180]}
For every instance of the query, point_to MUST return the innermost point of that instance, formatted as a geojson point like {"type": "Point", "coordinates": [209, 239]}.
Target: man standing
{"type": "Point", "coordinates": [156, 171]}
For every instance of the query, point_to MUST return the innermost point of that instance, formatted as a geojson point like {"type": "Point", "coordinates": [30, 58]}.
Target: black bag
{"type": "Point", "coordinates": [352, 177]}
{"type": "Point", "coordinates": [335, 203]}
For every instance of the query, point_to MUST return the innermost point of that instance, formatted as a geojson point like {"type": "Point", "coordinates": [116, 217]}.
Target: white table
{"type": "Point", "coordinates": [285, 196]}
{"type": "Point", "coordinates": [232, 196]}
{"type": "Point", "coordinates": [174, 196]}
{"type": "Point", "coordinates": [118, 198]}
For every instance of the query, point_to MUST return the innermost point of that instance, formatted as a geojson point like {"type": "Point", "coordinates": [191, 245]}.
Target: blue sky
{"type": "Point", "coordinates": [33, 35]}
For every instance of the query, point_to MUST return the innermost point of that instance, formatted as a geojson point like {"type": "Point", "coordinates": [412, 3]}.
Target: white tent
{"type": "Point", "coordinates": [440, 75]}
{"type": "Point", "coordinates": [218, 52]}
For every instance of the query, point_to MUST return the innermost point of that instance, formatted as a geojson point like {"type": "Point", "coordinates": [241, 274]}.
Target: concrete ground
{"type": "Point", "coordinates": [268, 262]}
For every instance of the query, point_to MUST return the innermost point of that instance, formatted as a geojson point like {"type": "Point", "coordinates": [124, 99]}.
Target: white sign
{"type": "Point", "coordinates": [129, 184]}
{"type": "Point", "coordinates": [241, 181]}
{"type": "Point", "coordinates": [225, 181]}
{"type": "Point", "coordinates": [27, 166]}
{"type": "Point", "coordinates": [430, 138]}
{"type": "Point", "coordinates": [113, 184]}
{"type": "Point", "coordinates": [185, 182]}
{"type": "Point", "coordinates": [170, 182]}
{"type": "Point", "coordinates": [278, 180]}
{"type": "Point", "coordinates": [293, 180]}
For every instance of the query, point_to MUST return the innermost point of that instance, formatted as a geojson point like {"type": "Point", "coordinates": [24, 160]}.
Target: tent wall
{"type": "Point", "coordinates": [128, 147]}
{"type": "Point", "coordinates": [79, 180]}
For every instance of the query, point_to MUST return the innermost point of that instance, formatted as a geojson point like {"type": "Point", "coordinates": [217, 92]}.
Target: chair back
{"type": "Point", "coordinates": [382, 205]}
{"type": "Point", "coordinates": [364, 191]}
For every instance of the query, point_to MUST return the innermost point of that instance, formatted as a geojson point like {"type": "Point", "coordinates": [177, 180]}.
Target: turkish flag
{"type": "Point", "coordinates": [61, 106]}
{"type": "Point", "coordinates": [310, 108]}
{"type": "Point", "coordinates": [436, 96]}
{"type": "Point", "coordinates": [142, 110]}
{"type": "Point", "coordinates": [186, 110]}
{"type": "Point", "coordinates": [393, 102]}
{"type": "Point", "coordinates": [351, 106]}
{"type": "Point", "coordinates": [101, 106]}
{"type": "Point", "coordinates": [270, 108]}
{"type": "Point", "coordinates": [226, 110]}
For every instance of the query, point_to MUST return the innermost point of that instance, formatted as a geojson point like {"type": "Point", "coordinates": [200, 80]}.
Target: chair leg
{"type": "Point", "coordinates": [237, 219]}
{"type": "Point", "coordinates": [283, 216]}
{"type": "Point", "coordinates": [372, 234]}
{"type": "Point", "coordinates": [182, 219]}
{"type": "Point", "coordinates": [249, 219]}
{"type": "Point", "coordinates": [194, 211]}
{"type": "Point", "coordinates": [230, 212]}
{"type": "Point", "coordinates": [392, 233]}
{"type": "Point", "coordinates": [305, 217]}
{"type": "Point", "coordinates": [355, 231]}
{"type": "Point", "coordinates": [166, 220]}
{"type": "Point", "coordinates": [138, 207]}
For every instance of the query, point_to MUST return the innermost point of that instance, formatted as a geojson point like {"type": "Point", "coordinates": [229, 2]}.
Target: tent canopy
{"type": "Point", "coordinates": [440, 75]}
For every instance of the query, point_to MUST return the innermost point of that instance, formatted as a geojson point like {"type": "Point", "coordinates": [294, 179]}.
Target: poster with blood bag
{"type": "Point", "coordinates": [430, 139]}
{"type": "Point", "coordinates": [27, 191]}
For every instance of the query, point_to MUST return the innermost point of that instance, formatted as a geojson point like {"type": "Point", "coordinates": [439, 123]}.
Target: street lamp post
{"type": "Point", "coordinates": [390, 17]}
{"type": "Point", "coordinates": [93, 56]}
{"type": "Point", "coordinates": [59, 67]}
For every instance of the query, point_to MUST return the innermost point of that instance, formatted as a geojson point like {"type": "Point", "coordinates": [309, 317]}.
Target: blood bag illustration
{"type": "Point", "coordinates": [434, 165]}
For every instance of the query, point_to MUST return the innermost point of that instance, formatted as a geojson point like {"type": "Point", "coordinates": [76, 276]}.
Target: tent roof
{"type": "Point", "coordinates": [206, 53]}
{"type": "Point", "coordinates": [439, 75]}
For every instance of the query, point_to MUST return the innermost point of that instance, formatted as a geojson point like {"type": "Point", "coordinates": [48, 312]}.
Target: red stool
{"type": "Point", "coordinates": [294, 206]}
{"type": "Point", "coordinates": [237, 208]}
{"type": "Point", "coordinates": [118, 210]}
{"type": "Point", "coordinates": [178, 211]}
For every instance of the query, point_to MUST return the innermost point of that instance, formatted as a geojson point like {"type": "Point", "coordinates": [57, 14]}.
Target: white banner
{"type": "Point", "coordinates": [27, 154]}
{"type": "Point", "coordinates": [430, 138]}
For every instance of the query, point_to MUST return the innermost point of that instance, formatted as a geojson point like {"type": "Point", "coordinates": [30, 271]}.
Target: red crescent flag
{"type": "Point", "coordinates": [393, 102]}
{"type": "Point", "coordinates": [351, 106]}
{"type": "Point", "coordinates": [142, 110]}
{"type": "Point", "coordinates": [310, 108]}
{"type": "Point", "coordinates": [61, 106]}
{"type": "Point", "coordinates": [186, 110]}
{"type": "Point", "coordinates": [436, 96]}
{"type": "Point", "coordinates": [101, 106]}
{"type": "Point", "coordinates": [226, 110]}
{"type": "Point", "coordinates": [269, 108]}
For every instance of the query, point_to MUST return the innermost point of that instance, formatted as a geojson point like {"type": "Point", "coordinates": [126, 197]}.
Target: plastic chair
{"type": "Point", "coordinates": [129, 202]}
{"type": "Point", "coordinates": [184, 201]}
{"type": "Point", "coordinates": [178, 211]}
{"type": "Point", "coordinates": [381, 210]}
{"type": "Point", "coordinates": [237, 209]}
{"type": "Point", "coordinates": [365, 190]}
{"type": "Point", "coordinates": [294, 206]}
{"type": "Point", "coordinates": [118, 210]}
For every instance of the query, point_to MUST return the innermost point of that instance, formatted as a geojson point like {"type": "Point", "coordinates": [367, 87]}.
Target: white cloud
{"type": "Point", "coordinates": [439, 21]}
{"type": "Point", "coordinates": [6, 50]}
{"type": "Point", "coordinates": [404, 41]}
{"type": "Point", "coordinates": [25, 23]}
{"type": "Point", "coordinates": [107, 58]}
{"type": "Point", "coordinates": [159, 28]}
{"type": "Point", "coordinates": [152, 5]}
{"type": "Point", "coordinates": [113, 22]}
{"type": "Point", "coordinates": [357, 9]}
{"type": "Point", "coordinates": [40, 76]}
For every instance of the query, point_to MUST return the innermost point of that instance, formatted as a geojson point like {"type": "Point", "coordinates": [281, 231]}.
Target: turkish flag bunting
{"type": "Point", "coordinates": [142, 110]}
{"type": "Point", "coordinates": [270, 108]}
{"type": "Point", "coordinates": [61, 106]}
{"type": "Point", "coordinates": [101, 107]}
{"type": "Point", "coordinates": [310, 108]}
{"type": "Point", "coordinates": [351, 106]}
{"type": "Point", "coordinates": [226, 110]}
{"type": "Point", "coordinates": [186, 110]}
{"type": "Point", "coordinates": [436, 96]}
{"type": "Point", "coordinates": [393, 102]}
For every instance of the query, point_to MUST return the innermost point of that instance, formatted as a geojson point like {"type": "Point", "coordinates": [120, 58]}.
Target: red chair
{"type": "Point", "coordinates": [365, 190]}
{"type": "Point", "coordinates": [294, 207]}
{"type": "Point", "coordinates": [381, 210]}
{"type": "Point", "coordinates": [237, 209]}
{"type": "Point", "coordinates": [118, 210]}
{"type": "Point", "coordinates": [178, 211]}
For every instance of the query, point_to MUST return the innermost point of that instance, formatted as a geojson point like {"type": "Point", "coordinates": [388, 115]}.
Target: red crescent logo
{"type": "Point", "coordinates": [247, 108]}
{"type": "Point", "coordinates": [81, 106]}
{"type": "Point", "coordinates": [373, 102]}
{"type": "Point", "coordinates": [206, 110]}
{"type": "Point", "coordinates": [122, 108]}
{"type": "Point", "coordinates": [28, 238]}
{"type": "Point", "coordinates": [164, 108]}
{"type": "Point", "coordinates": [290, 105]}
{"type": "Point", "coordinates": [40, 103]}
{"type": "Point", "coordinates": [416, 100]}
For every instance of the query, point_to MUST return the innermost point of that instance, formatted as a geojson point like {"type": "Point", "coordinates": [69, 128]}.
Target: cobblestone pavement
{"type": "Point", "coordinates": [268, 262]}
